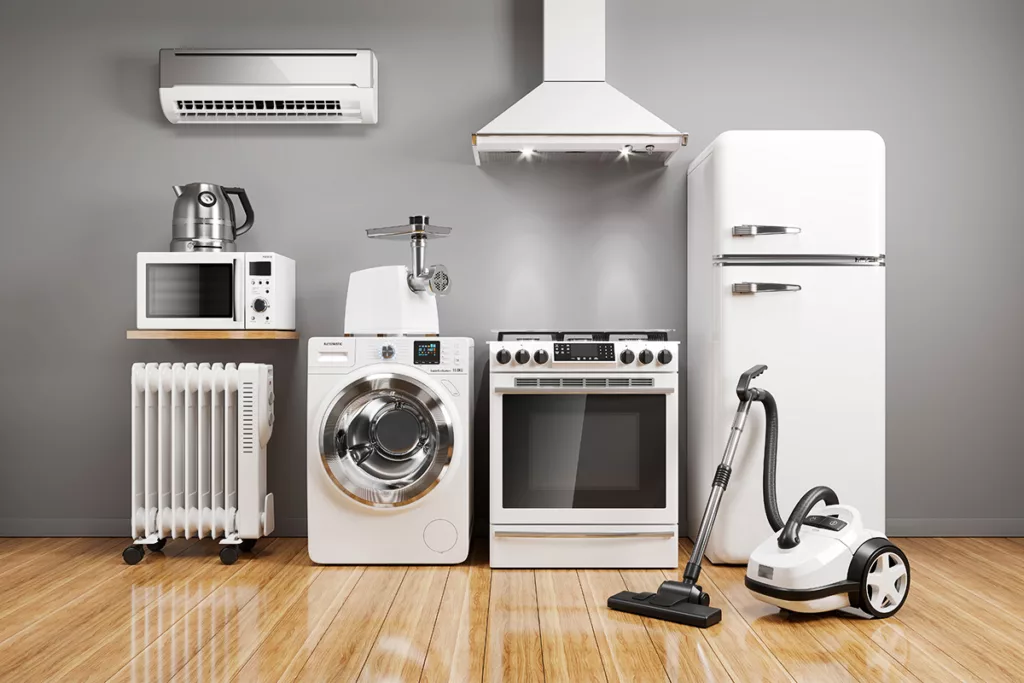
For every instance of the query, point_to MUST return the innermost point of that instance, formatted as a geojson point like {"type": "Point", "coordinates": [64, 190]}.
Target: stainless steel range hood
{"type": "Point", "coordinates": [574, 114]}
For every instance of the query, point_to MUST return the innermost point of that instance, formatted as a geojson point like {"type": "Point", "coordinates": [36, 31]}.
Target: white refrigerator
{"type": "Point", "coordinates": [786, 267]}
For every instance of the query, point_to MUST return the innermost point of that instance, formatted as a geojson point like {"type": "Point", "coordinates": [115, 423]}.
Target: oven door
{"type": "Point", "coordinates": [582, 453]}
{"type": "Point", "coordinates": [190, 291]}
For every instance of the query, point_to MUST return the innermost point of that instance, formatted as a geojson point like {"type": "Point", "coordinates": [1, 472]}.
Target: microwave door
{"type": "Point", "coordinates": [191, 293]}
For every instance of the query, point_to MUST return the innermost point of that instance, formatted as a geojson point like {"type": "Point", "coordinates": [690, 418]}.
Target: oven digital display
{"type": "Point", "coordinates": [576, 352]}
{"type": "Point", "coordinates": [426, 353]}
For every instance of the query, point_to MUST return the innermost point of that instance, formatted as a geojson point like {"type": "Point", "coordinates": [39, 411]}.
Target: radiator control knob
{"type": "Point", "coordinates": [627, 357]}
{"type": "Point", "coordinates": [541, 356]}
{"type": "Point", "coordinates": [664, 356]}
{"type": "Point", "coordinates": [646, 357]}
{"type": "Point", "coordinates": [503, 356]}
{"type": "Point", "coordinates": [522, 356]}
{"type": "Point", "coordinates": [260, 305]}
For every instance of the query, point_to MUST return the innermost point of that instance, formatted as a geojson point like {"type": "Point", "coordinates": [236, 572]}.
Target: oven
{"type": "Point", "coordinates": [584, 454]}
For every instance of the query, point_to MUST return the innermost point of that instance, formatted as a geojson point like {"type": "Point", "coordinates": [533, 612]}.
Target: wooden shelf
{"type": "Point", "coordinates": [212, 334]}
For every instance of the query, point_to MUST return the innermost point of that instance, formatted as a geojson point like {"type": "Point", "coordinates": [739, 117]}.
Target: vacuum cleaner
{"type": "Point", "coordinates": [813, 563]}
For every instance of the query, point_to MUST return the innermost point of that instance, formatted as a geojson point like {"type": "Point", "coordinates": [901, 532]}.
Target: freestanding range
{"type": "Point", "coordinates": [584, 449]}
{"type": "Point", "coordinates": [786, 244]}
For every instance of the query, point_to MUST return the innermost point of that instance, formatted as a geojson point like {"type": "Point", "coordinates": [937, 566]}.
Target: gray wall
{"type": "Point", "coordinates": [87, 161]}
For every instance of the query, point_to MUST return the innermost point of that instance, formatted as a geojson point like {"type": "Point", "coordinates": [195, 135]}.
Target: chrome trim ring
{"type": "Point", "coordinates": [360, 467]}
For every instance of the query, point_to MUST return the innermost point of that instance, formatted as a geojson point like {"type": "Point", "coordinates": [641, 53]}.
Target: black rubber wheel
{"type": "Point", "coordinates": [229, 554]}
{"type": "Point", "coordinates": [158, 546]}
{"type": "Point", "coordinates": [247, 545]}
{"type": "Point", "coordinates": [883, 606]}
{"type": "Point", "coordinates": [133, 554]}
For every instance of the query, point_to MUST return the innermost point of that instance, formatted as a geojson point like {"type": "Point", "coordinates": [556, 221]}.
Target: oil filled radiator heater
{"type": "Point", "coordinates": [199, 455]}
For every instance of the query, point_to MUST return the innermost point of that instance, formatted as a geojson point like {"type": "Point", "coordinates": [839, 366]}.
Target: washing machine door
{"type": "Point", "coordinates": [386, 440]}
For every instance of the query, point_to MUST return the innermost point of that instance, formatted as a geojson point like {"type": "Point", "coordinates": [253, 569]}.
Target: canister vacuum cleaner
{"type": "Point", "coordinates": [813, 563]}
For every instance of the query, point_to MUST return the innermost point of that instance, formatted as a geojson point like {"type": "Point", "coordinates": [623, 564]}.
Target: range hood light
{"type": "Point", "coordinates": [527, 153]}
{"type": "Point", "coordinates": [627, 150]}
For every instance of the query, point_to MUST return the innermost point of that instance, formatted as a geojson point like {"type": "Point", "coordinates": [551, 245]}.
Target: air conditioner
{"type": "Point", "coordinates": [268, 86]}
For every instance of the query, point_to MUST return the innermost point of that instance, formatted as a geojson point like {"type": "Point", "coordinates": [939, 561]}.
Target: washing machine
{"type": "Point", "coordinates": [389, 468]}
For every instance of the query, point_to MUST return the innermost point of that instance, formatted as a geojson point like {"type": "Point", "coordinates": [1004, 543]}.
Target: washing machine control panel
{"type": "Point", "coordinates": [435, 355]}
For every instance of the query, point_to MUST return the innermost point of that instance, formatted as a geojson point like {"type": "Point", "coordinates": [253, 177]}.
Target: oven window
{"type": "Point", "coordinates": [190, 290]}
{"type": "Point", "coordinates": [583, 451]}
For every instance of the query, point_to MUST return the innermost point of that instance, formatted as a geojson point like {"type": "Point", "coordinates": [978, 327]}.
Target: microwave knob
{"type": "Point", "coordinates": [646, 357]}
{"type": "Point", "coordinates": [664, 356]}
{"type": "Point", "coordinates": [503, 356]}
{"type": "Point", "coordinates": [541, 356]}
{"type": "Point", "coordinates": [627, 357]}
{"type": "Point", "coordinates": [260, 305]}
{"type": "Point", "coordinates": [522, 356]}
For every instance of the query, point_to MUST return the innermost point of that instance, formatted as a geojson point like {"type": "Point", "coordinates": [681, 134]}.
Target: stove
{"type": "Point", "coordinates": [584, 449]}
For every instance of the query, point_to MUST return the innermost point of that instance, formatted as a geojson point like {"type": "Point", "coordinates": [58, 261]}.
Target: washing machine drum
{"type": "Point", "coordinates": [386, 440]}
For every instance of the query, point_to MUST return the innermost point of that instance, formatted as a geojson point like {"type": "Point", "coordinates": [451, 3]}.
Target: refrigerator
{"type": "Point", "coordinates": [786, 267]}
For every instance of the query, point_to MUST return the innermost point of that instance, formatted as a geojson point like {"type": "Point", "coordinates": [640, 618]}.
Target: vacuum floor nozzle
{"type": "Point", "coordinates": [682, 612]}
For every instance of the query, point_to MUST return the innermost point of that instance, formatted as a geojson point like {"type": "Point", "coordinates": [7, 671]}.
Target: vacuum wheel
{"type": "Point", "coordinates": [885, 583]}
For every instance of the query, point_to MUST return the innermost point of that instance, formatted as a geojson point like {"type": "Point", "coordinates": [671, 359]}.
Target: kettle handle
{"type": "Point", "coordinates": [250, 217]}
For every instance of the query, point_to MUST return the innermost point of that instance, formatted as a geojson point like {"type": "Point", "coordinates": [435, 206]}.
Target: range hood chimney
{"type": "Point", "coordinates": [574, 114]}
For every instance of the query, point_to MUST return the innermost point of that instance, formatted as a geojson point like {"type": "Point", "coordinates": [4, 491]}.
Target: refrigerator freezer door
{"type": "Point", "coordinates": [821, 332]}
{"type": "Point", "coordinates": [792, 192]}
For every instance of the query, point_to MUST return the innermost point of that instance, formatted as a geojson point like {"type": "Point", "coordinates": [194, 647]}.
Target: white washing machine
{"type": "Point", "coordinates": [389, 469]}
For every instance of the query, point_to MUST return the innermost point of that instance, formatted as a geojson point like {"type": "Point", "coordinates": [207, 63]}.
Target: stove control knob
{"type": "Point", "coordinates": [503, 356]}
{"type": "Point", "coordinates": [664, 356]}
{"type": "Point", "coordinates": [627, 357]}
{"type": "Point", "coordinates": [522, 356]}
{"type": "Point", "coordinates": [541, 356]}
{"type": "Point", "coordinates": [387, 352]}
{"type": "Point", "coordinates": [260, 305]}
{"type": "Point", "coordinates": [646, 357]}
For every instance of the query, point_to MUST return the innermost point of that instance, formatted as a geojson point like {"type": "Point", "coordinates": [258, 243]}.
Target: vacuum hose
{"type": "Point", "coordinates": [771, 449]}
{"type": "Point", "coordinates": [790, 537]}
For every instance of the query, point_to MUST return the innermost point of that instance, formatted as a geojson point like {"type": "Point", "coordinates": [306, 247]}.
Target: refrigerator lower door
{"type": "Point", "coordinates": [821, 332]}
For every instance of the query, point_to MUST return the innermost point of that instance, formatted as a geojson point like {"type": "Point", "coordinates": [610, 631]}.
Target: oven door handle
{"type": "Point", "coordinates": [584, 534]}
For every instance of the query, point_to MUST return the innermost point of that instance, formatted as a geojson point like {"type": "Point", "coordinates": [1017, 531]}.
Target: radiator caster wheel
{"type": "Point", "coordinates": [133, 554]}
{"type": "Point", "coordinates": [229, 554]}
{"type": "Point", "coordinates": [158, 546]}
{"type": "Point", "coordinates": [247, 545]}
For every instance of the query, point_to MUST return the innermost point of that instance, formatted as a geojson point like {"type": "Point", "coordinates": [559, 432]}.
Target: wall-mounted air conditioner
{"type": "Point", "coordinates": [268, 86]}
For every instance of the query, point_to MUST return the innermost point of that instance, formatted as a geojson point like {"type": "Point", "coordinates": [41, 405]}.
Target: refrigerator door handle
{"type": "Point", "coordinates": [755, 230]}
{"type": "Point", "coordinates": [763, 287]}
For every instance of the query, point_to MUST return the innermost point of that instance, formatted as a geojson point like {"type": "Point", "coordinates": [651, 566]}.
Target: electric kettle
{"type": "Point", "coordinates": [204, 217]}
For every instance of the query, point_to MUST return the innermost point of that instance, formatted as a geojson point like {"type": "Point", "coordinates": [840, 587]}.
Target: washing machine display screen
{"type": "Point", "coordinates": [426, 353]}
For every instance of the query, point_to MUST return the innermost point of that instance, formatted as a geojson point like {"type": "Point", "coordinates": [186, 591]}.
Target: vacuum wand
{"type": "Point", "coordinates": [721, 482]}
{"type": "Point", "coordinates": [685, 602]}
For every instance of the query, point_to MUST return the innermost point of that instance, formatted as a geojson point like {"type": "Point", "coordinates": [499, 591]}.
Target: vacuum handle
{"type": "Point", "coordinates": [250, 217]}
{"type": "Point", "coordinates": [790, 536]}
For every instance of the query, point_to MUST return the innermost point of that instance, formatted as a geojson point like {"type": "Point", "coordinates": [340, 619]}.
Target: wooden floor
{"type": "Point", "coordinates": [71, 610]}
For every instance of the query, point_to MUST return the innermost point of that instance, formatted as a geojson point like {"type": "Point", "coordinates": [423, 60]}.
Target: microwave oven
{"type": "Point", "coordinates": [215, 291]}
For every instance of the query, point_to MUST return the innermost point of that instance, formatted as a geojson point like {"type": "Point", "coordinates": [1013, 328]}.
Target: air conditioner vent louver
{"type": "Point", "coordinates": [581, 382]}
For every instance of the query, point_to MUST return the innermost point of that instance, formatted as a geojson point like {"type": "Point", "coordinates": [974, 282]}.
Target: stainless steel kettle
{"type": "Point", "coordinates": [204, 217]}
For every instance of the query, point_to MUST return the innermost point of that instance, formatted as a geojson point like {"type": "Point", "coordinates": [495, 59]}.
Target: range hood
{"type": "Point", "coordinates": [574, 114]}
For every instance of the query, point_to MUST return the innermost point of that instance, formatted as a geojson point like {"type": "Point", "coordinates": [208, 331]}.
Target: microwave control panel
{"type": "Point", "coordinates": [269, 292]}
